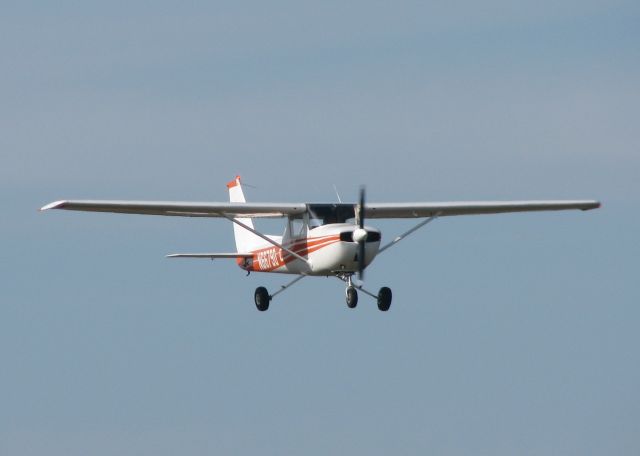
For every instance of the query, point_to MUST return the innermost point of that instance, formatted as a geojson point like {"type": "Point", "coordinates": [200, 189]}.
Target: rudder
{"type": "Point", "coordinates": [246, 241]}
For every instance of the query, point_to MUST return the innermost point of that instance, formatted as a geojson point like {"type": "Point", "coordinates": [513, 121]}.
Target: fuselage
{"type": "Point", "coordinates": [329, 249]}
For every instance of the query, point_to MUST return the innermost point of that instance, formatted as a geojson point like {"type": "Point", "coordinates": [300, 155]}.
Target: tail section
{"type": "Point", "coordinates": [246, 241]}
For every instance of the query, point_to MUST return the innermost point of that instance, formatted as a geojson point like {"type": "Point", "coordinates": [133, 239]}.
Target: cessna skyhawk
{"type": "Point", "coordinates": [319, 239]}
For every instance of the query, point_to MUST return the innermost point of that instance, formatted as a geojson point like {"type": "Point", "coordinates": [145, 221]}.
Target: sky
{"type": "Point", "coordinates": [508, 334]}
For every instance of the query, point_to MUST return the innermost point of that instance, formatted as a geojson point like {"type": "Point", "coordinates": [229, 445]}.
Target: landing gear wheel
{"type": "Point", "coordinates": [384, 299]}
{"type": "Point", "coordinates": [262, 299]}
{"type": "Point", "coordinates": [352, 297]}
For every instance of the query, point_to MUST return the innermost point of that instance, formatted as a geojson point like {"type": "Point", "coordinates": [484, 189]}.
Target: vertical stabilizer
{"type": "Point", "coordinates": [245, 240]}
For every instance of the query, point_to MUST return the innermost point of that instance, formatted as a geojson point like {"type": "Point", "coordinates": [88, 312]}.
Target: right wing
{"type": "Point", "coordinates": [410, 210]}
{"type": "Point", "coordinates": [182, 209]}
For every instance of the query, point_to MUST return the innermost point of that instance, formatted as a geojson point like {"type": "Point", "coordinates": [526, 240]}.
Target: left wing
{"type": "Point", "coordinates": [181, 209]}
{"type": "Point", "coordinates": [210, 255]}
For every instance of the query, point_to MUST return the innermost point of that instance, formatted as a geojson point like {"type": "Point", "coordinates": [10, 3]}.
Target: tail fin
{"type": "Point", "coordinates": [245, 240]}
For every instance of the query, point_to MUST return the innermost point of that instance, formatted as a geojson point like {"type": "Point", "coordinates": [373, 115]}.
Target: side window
{"type": "Point", "coordinates": [297, 228]}
{"type": "Point", "coordinates": [315, 222]}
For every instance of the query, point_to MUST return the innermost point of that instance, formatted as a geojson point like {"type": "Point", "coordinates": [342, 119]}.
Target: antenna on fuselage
{"type": "Point", "coordinates": [337, 194]}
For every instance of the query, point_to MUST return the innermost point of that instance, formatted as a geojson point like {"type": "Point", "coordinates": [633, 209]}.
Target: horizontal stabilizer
{"type": "Point", "coordinates": [210, 255]}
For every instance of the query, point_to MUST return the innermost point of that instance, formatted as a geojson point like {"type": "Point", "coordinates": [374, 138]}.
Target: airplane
{"type": "Point", "coordinates": [320, 239]}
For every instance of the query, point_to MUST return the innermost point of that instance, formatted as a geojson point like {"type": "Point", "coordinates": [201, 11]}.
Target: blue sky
{"type": "Point", "coordinates": [511, 334]}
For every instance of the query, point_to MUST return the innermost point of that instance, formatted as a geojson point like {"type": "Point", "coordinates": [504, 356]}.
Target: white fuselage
{"type": "Point", "coordinates": [328, 249]}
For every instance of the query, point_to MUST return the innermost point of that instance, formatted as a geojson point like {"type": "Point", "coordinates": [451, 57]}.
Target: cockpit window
{"type": "Point", "coordinates": [331, 213]}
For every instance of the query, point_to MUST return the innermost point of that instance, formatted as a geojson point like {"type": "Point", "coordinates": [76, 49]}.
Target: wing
{"type": "Point", "coordinates": [411, 210]}
{"type": "Point", "coordinates": [210, 255]}
{"type": "Point", "coordinates": [372, 210]}
{"type": "Point", "coordinates": [181, 209]}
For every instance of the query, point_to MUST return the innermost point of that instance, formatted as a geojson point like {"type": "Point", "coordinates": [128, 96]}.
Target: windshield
{"type": "Point", "coordinates": [321, 214]}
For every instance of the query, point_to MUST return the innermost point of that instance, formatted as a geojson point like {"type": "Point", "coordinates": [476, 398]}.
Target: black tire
{"type": "Point", "coordinates": [262, 299]}
{"type": "Point", "coordinates": [352, 298]}
{"type": "Point", "coordinates": [384, 299]}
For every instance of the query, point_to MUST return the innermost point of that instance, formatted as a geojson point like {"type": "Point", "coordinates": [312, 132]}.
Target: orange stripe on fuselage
{"type": "Point", "coordinates": [271, 258]}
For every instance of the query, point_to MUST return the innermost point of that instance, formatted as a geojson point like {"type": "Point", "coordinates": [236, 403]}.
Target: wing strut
{"type": "Point", "coordinates": [407, 233]}
{"type": "Point", "coordinates": [266, 238]}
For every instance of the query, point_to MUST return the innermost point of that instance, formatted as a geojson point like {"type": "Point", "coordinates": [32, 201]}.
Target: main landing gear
{"type": "Point", "coordinates": [352, 297]}
{"type": "Point", "coordinates": [384, 298]}
{"type": "Point", "coordinates": [263, 298]}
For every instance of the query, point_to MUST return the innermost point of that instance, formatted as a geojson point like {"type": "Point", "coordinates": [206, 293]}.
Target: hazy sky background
{"type": "Point", "coordinates": [510, 334]}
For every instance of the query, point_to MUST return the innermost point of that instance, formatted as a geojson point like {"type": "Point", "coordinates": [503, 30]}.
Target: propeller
{"type": "Point", "coordinates": [360, 234]}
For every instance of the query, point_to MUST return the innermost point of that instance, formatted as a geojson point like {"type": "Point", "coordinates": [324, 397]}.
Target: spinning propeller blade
{"type": "Point", "coordinates": [362, 235]}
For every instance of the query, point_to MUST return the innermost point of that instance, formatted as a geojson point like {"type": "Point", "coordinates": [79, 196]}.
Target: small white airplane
{"type": "Point", "coordinates": [328, 239]}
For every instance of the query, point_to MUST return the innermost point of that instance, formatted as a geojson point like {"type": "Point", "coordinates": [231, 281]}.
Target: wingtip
{"type": "Point", "coordinates": [594, 205]}
{"type": "Point", "coordinates": [54, 205]}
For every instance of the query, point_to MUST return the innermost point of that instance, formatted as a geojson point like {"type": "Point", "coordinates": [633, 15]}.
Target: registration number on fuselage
{"type": "Point", "coordinates": [269, 259]}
